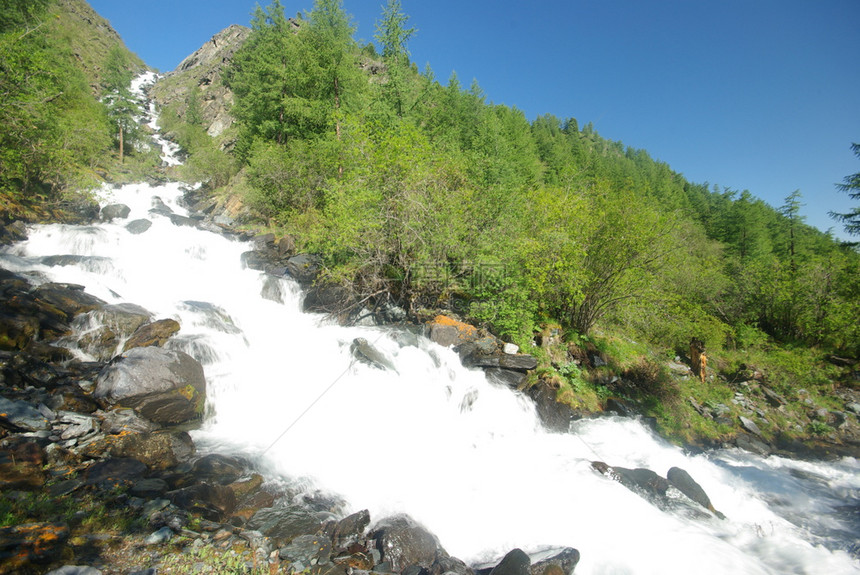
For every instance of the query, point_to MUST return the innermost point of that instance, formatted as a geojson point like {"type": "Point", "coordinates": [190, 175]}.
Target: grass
{"type": "Point", "coordinates": [85, 512]}
{"type": "Point", "coordinates": [639, 374]}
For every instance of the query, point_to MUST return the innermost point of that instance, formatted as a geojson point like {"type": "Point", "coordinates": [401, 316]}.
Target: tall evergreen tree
{"type": "Point", "coordinates": [393, 36]}
{"type": "Point", "coordinates": [850, 185]}
{"type": "Point", "coordinates": [122, 106]}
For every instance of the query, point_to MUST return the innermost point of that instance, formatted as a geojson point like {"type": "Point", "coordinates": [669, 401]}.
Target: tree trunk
{"type": "Point", "coordinates": [121, 144]}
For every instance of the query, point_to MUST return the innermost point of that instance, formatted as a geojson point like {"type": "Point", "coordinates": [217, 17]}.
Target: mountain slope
{"type": "Point", "coordinates": [195, 88]}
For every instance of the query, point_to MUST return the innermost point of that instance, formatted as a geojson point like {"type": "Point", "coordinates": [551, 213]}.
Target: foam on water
{"type": "Point", "coordinates": [465, 457]}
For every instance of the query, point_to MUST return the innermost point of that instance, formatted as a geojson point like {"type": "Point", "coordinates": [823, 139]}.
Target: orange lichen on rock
{"type": "Point", "coordinates": [466, 330]}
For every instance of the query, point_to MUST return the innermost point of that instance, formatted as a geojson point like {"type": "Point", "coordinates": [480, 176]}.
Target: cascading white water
{"type": "Point", "coordinates": [465, 457]}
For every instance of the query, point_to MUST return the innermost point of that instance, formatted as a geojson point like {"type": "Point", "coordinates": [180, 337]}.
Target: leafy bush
{"type": "Point", "coordinates": [652, 380]}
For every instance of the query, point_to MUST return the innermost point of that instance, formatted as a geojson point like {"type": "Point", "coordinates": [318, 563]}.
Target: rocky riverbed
{"type": "Point", "coordinates": [99, 473]}
{"type": "Point", "coordinates": [98, 470]}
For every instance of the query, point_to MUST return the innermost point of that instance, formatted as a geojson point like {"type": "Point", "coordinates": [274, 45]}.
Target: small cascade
{"type": "Point", "coordinates": [467, 458]}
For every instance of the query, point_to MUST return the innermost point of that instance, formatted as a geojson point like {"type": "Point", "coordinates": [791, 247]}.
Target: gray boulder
{"type": "Point", "coordinates": [559, 562]}
{"type": "Point", "coordinates": [303, 268]}
{"type": "Point", "coordinates": [516, 562]}
{"type": "Point", "coordinates": [21, 416]}
{"type": "Point", "coordinates": [161, 385]}
{"type": "Point", "coordinates": [684, 483]}
{"type": "Point", "coordinates": [404, 543]}
{"type": "Point", "coordinates": [138, 226]}
{"type": "Point", "coordinates": [115, 211]}
{"type": "Point", "coordinates": [366, 353]}
{"type": "Point", "coordinates": [639, 480]}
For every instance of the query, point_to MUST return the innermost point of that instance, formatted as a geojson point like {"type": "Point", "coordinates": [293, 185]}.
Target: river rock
{"type": "Point", "coordinates": [115, 211]}
{"type": "Point", "coordinates": [350, 528]}
{"type": "Point", "coordinates": [214, 502]}
{"type": "Point", "coordinates": [558, 562]}
{"type": "Point", "coordinates": [179, 220]}
{"type": "Point", "coordinates": [139, 226]}
{"type": "Point", "coordinates": [553, 415]}
{"type": "Point", "coordinates": [506, 377]}
{"type": "Point", "coordinates": [70, 299]}
{"type": "Point", "coordinates": [364, 352]}
{"type": "Point", "coordinates": [75, 570]}
{"type": "Point", "coordinates": [447, 331]}
{"type": "Point", "coordinates": [100, 343]}
{"type": "Point", "coordinates": [638, 480]}
{"type": "Point", "coordinates": [72, 398]}
{"type": "Point", "coordinates": [123, 319]}
{"type": "Point", "coordinates": [21, 463]}
{"type": "Point", "coordinates": [158, 451]}
{"type": "Point", "coordinates": [125, 420]}
{"type": "Point", "coordinates": [753, 444]}
{"type": "Point", "coordinates": [21, 546]}
{"type": "Point", "coordinates": [253, 260]}
{"type": "Point", "coordinates": [11, 233]}
{"type": "Point", "coordinates": [71, 425]}
{"type": "Point", "coordinates": [515, 562]}
{"type": "Point", "coordinates": [285, 523]}
{"type": "Point", "coordinates": [684, 483]}
{"type": "Point", "coordinates": [151, 488]}
{"type": "Point", "coordinates": [304, 268]}
{"type": "Point", "coordinates": [21, 416]}
{"type": "Point", "coordinates": [750, 426]}
{"type": "Point", "coordinates": [16, 330]}
{"type": "Point", "coordinates": [119, 472]}
{"type": "Point", "coordinates": [307, 550]}
{"type": "Point", "coordinates": [152, 334]}
{"type": "Point", "coordinates": [161, 385]}
{"type": "Point", "coordinates": [404, 543]}
{"type": "Point", "coordinates": [217, 468]}
{"type": "Point", "coordinates": [159, 207]}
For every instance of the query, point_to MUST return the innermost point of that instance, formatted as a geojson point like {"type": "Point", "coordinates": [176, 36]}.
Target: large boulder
{"type": "Point", "coordinates": [161, 385]}
{"type": "Point", "coordinates": [684, 483]}
{"type": "Point", "coordinates": [516, 562]}
{"type": "Point", "coordinates": [115, 211]}
{"type": "Point", "coordinates": [404, 543]}
{"type": "Point", "coordinates": [137, 227]}
{"type": "Point", "coordinates": [304, 268]}
{"type": "Point", "coordinates": [447, 331]}
{"type": "Point", "coordinates": [158, 451]}
{"type": "Point", "coordinates": [19, 415]}
{"type": "Point", "coordinates": [639, 480]}
{"type": "Point", "coordinates": [555, 416]}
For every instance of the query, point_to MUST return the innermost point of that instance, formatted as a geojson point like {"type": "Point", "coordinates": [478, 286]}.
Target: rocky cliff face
{"type": "Point", "coordinates": [202, 71]}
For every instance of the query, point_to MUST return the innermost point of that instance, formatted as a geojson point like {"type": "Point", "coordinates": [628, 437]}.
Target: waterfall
{"type": "Point", "coordinates": [465, 457]}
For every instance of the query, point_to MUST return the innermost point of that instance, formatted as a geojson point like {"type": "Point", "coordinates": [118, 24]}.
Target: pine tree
{"type": "Point", "coordinates": [850, 185]}
{"type": "Point", "coordinates": [393, 35]}
{"type": "Point", "coordinates": [122, 107]}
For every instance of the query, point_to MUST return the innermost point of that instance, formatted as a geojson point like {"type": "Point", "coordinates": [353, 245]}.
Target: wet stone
{"type": "Point", "coordinates": [22, 416]}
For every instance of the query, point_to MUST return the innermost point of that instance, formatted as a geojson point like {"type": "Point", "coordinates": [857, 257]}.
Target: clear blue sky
{"type": "Point", "coordinates": [762, 95]}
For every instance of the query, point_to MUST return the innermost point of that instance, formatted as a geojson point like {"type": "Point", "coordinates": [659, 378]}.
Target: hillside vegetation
{"type": "Point", "coordinates": [426, 195]}
{"type": "Point", "coordinates": [57, 131]}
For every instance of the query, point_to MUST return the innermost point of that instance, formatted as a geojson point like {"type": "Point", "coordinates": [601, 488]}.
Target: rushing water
{"type": "Point", "coordinates": [465, 457]}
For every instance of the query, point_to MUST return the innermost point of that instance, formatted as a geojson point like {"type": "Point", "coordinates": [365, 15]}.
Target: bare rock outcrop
{"type": "Point", "coordinates": [202, 71]}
